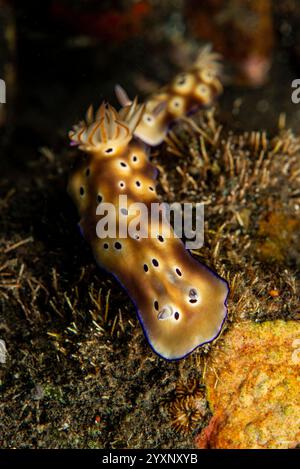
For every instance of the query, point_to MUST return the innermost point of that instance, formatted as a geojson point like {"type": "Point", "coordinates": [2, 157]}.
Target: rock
{"type": "Point", "coordinates": [253, 387]}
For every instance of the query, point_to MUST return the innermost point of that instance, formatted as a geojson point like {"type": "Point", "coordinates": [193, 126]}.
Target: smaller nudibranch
{"type": "Point", "coordinates": [181, 304]}
{"type": "Point", "coordinates": [197, 87]}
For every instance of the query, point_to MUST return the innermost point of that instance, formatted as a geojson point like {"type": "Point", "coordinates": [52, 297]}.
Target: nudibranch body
{"type": "Point", "coordinates": [198, 87]}
{"type": "Point", "coordinates": [181, 304]}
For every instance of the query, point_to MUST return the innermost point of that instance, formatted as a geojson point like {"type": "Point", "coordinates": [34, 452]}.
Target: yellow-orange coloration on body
{"type": "Point", "coordinates": [180, 302]}
{"type": "Point", "coordinates": [197, 87]}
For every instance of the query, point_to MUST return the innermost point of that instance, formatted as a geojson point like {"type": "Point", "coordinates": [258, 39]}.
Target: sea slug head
{"type": "Point", "coordinates": [185, 305]}
{"type": "Point", "coordinates": [108, 132]}
{"type": "Point", "coordinates": [153, 125]}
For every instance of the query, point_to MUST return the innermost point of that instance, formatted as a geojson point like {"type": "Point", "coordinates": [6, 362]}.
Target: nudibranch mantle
{"type": "Point", "coordinates": [197, 87]}
{"type": "Point", "coordinates": [181, 304]}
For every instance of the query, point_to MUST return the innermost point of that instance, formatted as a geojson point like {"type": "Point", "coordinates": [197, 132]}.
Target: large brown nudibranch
{"type": "Point", "coordinates": [197, 87]}
{"type": "Point", "coordinates": [181, 304]}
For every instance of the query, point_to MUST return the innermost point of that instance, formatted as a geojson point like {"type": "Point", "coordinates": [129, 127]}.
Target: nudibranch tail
{"type": "Point", "coordinates": [197, 87]}
{"type": "Point", "coordinates": [181, 304]}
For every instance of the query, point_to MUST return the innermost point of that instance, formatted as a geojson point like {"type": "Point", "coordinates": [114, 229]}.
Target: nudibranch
{"type": "Point", "coordinates": [181, 304]}
{"type": "Point", "coordinates": [197, 87]}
